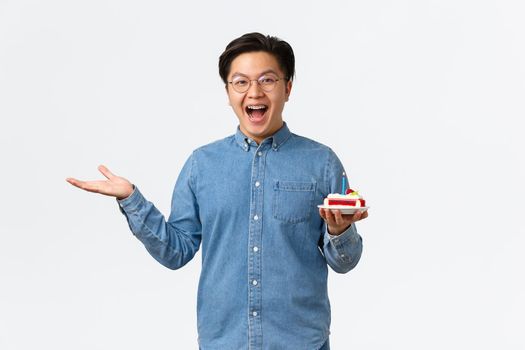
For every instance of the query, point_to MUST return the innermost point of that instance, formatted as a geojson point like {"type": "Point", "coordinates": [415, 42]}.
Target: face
{"type": "Point", "coordinates": [259, 112]}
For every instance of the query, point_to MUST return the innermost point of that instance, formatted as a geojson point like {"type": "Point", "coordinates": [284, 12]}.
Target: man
{"type": "Point", "coordinates": [251, 201]}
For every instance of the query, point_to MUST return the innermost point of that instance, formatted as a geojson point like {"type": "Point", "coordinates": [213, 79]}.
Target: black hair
{"type": "Point", "coordinates": [254, 42]}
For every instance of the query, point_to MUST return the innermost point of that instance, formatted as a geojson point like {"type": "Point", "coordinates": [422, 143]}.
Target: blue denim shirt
{"type": "Point", "coordinates": [265, 248]}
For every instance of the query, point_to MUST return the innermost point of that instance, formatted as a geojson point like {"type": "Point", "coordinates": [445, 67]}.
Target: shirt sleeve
{"type": "Point", "coordinates": [172, 243]}
{"type": "Point", "coordinates": [342, 252]}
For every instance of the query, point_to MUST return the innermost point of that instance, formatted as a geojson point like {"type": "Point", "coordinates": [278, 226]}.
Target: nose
{"type": "Point", "coordinates": [255, 89]}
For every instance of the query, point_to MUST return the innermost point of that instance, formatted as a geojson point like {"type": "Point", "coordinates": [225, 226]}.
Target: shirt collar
{"type": "Point", "coordinates": [276, 139]}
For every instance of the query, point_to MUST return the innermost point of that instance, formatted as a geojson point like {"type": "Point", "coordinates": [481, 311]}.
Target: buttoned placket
{"type": "Point", "coordinates": [255, 248]}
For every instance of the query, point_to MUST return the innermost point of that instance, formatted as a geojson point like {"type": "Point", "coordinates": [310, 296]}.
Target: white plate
{"type": "Point", "coordinates": [345, 209]}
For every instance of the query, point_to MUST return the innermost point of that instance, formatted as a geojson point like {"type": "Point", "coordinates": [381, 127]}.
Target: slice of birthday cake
{"type": "Point", "coordinates": [351, 198]}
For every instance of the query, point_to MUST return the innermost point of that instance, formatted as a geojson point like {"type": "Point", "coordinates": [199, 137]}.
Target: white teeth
{"type": "Point", "coordinates": [256, 107]}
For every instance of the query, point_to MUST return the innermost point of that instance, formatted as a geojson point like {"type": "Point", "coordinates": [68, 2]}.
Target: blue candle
{"type": "Point", "coordinates": [343, 191]}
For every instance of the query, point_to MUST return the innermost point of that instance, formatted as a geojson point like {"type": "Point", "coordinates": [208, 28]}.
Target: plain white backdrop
{"type": "Point", "coordinates": [423, 101]}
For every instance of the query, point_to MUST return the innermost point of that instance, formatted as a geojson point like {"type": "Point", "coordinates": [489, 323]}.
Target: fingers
{"type": "Point", "coordinates": [90, 186]}
{"type": "Point", "coordinates": [327, 215]}
{"type": "Point", "coordinates": [338, 217]}
{"type": "Point", "coordinates": [73, 181]}
{"type": "Point", "coordinates": [335, 217]}
{"type": "Point", "coordinates": [332, 217]}
{"type": "Point", "coordinates": [105, 171]}
{"type": "Point", "coordinates": [114, 186]}
{"type": "Point", "coordinates": [77, 183]}
{"type": "Point", "coordinates": [357, 216]}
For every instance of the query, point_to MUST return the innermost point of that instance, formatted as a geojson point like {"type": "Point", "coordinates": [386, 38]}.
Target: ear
{"type": "Point", "coordinates": [288, 89]}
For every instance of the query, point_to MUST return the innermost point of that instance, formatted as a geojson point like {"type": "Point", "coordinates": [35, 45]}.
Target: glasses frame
{"type": "Point", "coordinates": [258, 82]}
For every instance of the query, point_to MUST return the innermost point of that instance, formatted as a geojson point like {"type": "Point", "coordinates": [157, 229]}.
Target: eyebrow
{"type": "Point", "coordinates": [261, 74]}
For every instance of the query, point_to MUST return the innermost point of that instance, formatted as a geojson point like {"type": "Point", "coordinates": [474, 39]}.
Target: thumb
{"type": "Point", "coordinates": [105, 171]}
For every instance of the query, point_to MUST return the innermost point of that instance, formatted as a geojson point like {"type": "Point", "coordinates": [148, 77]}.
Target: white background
{"type": "Point", "coordinates": [423, 101]}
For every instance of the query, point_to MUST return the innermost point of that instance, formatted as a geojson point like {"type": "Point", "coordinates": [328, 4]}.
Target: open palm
{"type": "Point", "coordinates": [114, 186]}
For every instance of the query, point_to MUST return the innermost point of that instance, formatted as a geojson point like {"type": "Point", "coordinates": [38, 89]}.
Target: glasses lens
{"type": "Point", "coordinates": [267, 82]}
{"type": "Point", "coordinates": [241, 84]}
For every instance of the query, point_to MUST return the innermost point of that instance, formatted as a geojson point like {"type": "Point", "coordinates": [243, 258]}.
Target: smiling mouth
{"type": "Point", "coordinates": [256, 112]}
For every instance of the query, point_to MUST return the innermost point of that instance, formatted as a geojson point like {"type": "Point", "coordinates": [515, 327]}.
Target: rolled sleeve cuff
{"type": "Point", "coordinates": [132, 202]}
{"type": "Point", "coordinates": [350, 236]}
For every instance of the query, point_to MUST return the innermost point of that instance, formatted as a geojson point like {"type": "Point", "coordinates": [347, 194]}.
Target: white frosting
{"type": "Point", "coordinates": [353, 195]}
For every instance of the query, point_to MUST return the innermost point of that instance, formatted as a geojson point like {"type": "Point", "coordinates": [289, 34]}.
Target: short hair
{"type": "Point", "coordinates": [254, 42]}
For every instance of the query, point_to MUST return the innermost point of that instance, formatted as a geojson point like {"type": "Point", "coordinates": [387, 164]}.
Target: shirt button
{"type": "Point", "coordinates": [255, 249]}
{"type": "Point", "coordinates": [256, 218]}
{"type": "Point", "coordinates": [254, 313]}
{"type": "Point", "coordinates": [254, 282]}
{"type": "Point", "coordinates": [259, 153]}
{"type": "Point", "coordinates": [257, 184]}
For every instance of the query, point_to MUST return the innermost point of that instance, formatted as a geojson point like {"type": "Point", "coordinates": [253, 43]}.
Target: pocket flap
{"type": "Point", "coordinates": [294, 186]}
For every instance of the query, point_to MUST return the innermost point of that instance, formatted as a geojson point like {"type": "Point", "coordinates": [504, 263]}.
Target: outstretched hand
{"type": "Point", "coordinates": [338, 223]}
{"type": "Point", "coordinates": [114, 186]}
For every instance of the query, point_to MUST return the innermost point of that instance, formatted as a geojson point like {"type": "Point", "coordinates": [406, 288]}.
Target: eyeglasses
{"type": "Point", "coordinates": [266, 82]}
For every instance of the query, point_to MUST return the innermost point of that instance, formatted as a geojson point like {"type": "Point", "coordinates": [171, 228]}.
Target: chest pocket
{"type": "Point", "coordinates": [293, 201]}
